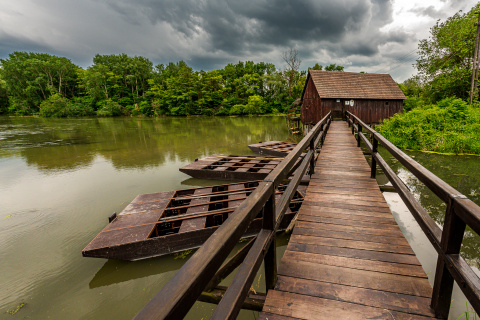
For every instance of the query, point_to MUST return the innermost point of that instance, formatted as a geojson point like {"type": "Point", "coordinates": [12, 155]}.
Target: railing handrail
{"type": "Point", "coordinates": [461, 212]}
{"type": "Point", "coordinates": [178, 295]}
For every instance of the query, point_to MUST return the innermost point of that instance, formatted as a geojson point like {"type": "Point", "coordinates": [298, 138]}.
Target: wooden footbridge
{"type": "Point", "coordinates": [346, 259]}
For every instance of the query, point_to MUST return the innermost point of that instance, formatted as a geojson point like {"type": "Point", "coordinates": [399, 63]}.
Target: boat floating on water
{"type": "Point", "coordinates": [273, 148]}
{"type": "Point", "coordinates": [231, 167]}
{"type": "Point", "coordinates": [161, 223]}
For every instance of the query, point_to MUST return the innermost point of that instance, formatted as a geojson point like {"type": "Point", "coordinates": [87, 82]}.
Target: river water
{"type": "Point", "coordinates": [61, 179]}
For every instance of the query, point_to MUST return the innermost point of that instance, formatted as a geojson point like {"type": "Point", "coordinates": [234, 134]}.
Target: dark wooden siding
{"type": "Point", "coordinates": [374, 111]}
{"type": "Point", "coordinates": [311, 110]}
{"type": "Point", "coordinates": [314, 108]}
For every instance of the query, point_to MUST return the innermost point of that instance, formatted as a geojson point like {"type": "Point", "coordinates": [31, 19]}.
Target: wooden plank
{"type": "Point", "coordinates": [345, 222]}
{"type": "Point", "coordinates": [313, 209]}
{"type": "Point", "coordinates": [347, 258]}
{"type": "Point", "coordinates": [351, 216]}
{"type": "Point", "coordinates": [354, 253]}
{"type": "Point", "coordinates": [357, 278]}
{"type": "Point", "coordinates": [378, 230]}
{"type": "Point", "coordinates": [345, 243]}
{"type": "Point", "coordinates": [192, 224]}
{"type": "Point", "coordinates": [309, 307]}
{"type": "Point", "coordinates": [349, 236]}
{"type": "Point", "coordinates": [354, 263]}
{"type": "Point", "coordinates": [347, 206]}
{"type": "Point", "coordinates": [362, 296]}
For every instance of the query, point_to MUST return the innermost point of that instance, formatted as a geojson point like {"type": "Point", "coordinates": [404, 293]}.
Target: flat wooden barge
{"type": "Point", "coordinates": [161, 223]}
{"type": "Point", "coordinates": [273, 148]}
{"type": "Point", "coordinates": [231, 167]}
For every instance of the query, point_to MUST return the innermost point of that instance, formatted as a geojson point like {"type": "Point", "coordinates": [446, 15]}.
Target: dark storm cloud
{"type": "Point", "coordinates": [238, 27]}
{"type": "Point", "coordinates": [208, 34]}
{"type": "Point", "coordinates": [9, 44]}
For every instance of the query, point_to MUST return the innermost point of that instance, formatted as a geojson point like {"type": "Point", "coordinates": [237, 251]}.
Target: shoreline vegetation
{"type": "Point", "coordinates": [120, 85]}
{"type": "Point", "coordinates": [436, 116]}
{"type": "Point", "coordinates": [449, 127]}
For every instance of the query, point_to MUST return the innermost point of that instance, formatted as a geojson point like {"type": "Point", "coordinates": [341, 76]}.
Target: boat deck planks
{"type": "Point", "coordinates": [231, 167]}
{"type": "Point", "coordinates": [161, 223]}
{"type": "Point", "coordinates": [347, 258]}
{"type": "Point", "coordinates": [273, 148]}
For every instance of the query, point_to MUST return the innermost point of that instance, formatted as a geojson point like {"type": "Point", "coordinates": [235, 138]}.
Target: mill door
{"type": "Point", "coordinates": [338, 109]}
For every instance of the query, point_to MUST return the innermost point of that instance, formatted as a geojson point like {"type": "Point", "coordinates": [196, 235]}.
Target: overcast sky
{"type": "Point", "coordinates": [362, 35]}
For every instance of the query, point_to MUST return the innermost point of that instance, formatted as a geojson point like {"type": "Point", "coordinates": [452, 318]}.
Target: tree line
{"type": "Point", "coordinates": [445, 61]}
{"type": "Point", "coordinates": [114, 85]}
{"type": "Point", "coordinates": [437, 114]}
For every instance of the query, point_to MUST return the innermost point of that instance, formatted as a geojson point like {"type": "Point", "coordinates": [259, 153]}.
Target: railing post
{"type": "Point", "coordinates": [312, 161]}
{"type": "Point", "coordinates": [353, 125]}
{"type": "Point", "coordinates": [373, 173]}
{"type": "Point", "coordinates": [359, 126]}
{"type": "Point", "coordinates": [452, 236]}
{"type": "Point", "coordinates": [270, 256]}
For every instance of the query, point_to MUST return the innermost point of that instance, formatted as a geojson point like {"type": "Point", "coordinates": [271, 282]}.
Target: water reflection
{"type": "Point", "coordinates": [461, 172]}
{"type": "Point", "coordinates": [55, 144]}
{"type": "Point", "coordinates": [59, 181]}
{"type": "Point", "coordinates": [113, 271]}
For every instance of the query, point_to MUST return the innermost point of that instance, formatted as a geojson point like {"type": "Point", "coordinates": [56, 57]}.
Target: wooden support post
{"type": "Point", "coordinates": [353, 125]}
{"type": "Point", "coordinates": [270, 259]}
{"type": "Point", "coordinates": [452, 236]}
{"type": "Point", "coordinates": [373, 173]}
{"type": "Point", "coordinates": [312, 161]}
{"type": "Point", "coordinates": [358, 134]}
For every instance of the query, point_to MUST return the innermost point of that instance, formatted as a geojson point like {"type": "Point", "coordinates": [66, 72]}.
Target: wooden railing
{"type": "Point", "coordinates": [461, 212]}
{"type": "Point", "coordinates": [202, 271]}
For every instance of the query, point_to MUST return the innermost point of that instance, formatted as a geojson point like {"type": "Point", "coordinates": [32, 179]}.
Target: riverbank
{"type": "Point", "coordinates": [448, 127]}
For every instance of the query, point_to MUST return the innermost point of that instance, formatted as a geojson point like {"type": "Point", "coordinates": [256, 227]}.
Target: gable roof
{"type": "Point", "coordinates": [352, 85]}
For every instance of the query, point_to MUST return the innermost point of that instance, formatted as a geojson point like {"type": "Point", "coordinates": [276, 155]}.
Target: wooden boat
{"type": "Point", "coordinates": [161, 223]}
{"type": "Point", "coordinates": [231, 167]}
{"type": "Point", "coordinates": [273, 148]}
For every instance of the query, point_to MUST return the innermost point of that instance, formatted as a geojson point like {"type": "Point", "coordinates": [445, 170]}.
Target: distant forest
{"type": "Point", "coordinates": [115, 85]}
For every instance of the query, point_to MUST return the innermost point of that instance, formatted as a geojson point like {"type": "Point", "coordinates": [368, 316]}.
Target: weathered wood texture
{"type": "Point", "coordinates": [375, 96]}
{"type": "Point", "coordinates": [273, 148]}
{"type": "Point", "coordinates": [461, 212]}
{"type": "Point", "coordinates": [347, 258]}
{"type": "Point", "coordinates": [370, 111]}
{"type": "Point", "coordinates": [161, 223]}
{"type": "Point", "coordinates": [230, 167]}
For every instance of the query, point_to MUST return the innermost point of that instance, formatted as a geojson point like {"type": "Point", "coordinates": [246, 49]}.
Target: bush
{"type": "Point", "coordinates": [55, 106]}
{"type": "Point", "coordinates": [411, 103]}
{"type": "Point", "coordinates": [109, 108]}
{"type": "Point", "coordinates": [20, 108]}
{"type": "Point", "coordinates": [237, 109]}
{"type": "Point", "coordinates": [254, 105]}
{"type": "Point", "coordinates": [451, 126]}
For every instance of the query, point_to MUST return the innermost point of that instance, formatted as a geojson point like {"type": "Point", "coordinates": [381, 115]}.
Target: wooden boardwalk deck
{"type": "Point", "coordinates": [347, 258]}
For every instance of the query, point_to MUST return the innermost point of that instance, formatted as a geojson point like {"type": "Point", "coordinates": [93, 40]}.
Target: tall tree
{"type": "Point", "coordinates": [121, 78]}
{"type": "Point", "coordinates": [291, 73]}
{"type": "Point", "coordinates": [446, 56]}
{"type": "Point", "coordinates": [33, 77]}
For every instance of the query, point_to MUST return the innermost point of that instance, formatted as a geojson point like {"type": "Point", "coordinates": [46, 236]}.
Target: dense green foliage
{"type": "Point", "coordinates": [39, 83]}
{"type": "Point", "coordinates": [451, 126]}
{"type": "Point", "coordinates": [446, 57]}
{"type": "Point", "coordinates": [436, 115]}
{"type": "Point", "coordinates": [31, 78]}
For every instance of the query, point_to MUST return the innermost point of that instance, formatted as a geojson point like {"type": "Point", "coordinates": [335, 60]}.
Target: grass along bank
{"type": "Point", "coordinates": [450, 126]}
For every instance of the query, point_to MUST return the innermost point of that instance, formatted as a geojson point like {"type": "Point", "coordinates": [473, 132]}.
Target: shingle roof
{"type": "Point", "coordinates": [352, 85]}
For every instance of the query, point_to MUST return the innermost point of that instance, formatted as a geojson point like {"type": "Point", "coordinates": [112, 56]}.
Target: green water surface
{"type": "Point", "coordinates": [60, 179]}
